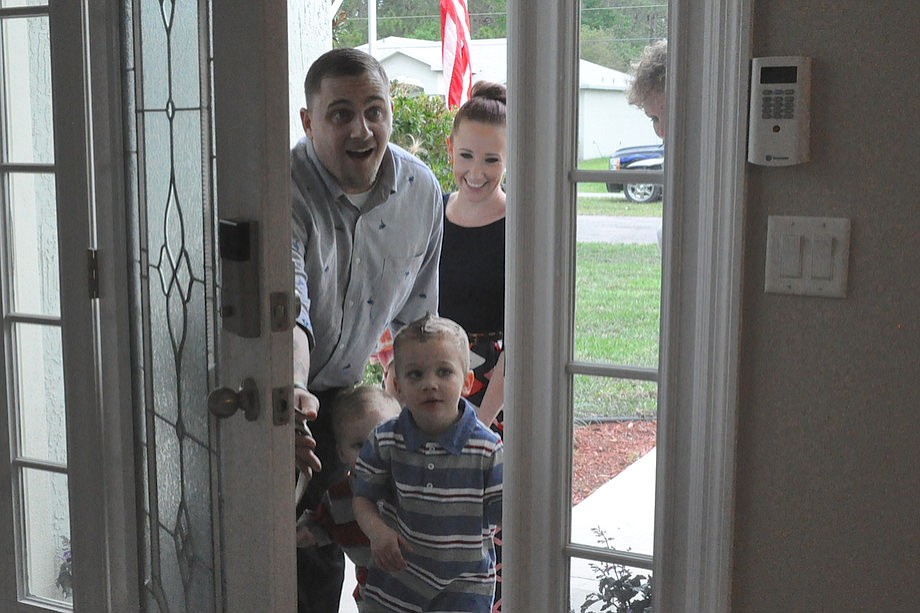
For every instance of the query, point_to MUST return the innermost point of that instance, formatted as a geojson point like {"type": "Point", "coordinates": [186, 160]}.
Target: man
{"type": "Point", "coordinates": [367, 227]}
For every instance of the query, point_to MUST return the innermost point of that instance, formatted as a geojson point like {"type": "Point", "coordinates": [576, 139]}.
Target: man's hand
{"type": "Point", "coordinates": [306, 408]}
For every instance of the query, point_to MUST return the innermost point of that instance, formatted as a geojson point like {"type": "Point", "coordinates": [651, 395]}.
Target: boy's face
{"type": "Point", "coordinates": [354, 432]}
{"type": "Point", "coordinates": [430, 378]}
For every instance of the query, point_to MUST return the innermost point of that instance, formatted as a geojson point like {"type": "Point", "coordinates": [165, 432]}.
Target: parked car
{"type": "Point", "coordinates": [649, 157]}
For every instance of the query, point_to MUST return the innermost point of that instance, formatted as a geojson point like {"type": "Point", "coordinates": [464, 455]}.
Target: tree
{"type": "Point", "coordinates": [612, 32]}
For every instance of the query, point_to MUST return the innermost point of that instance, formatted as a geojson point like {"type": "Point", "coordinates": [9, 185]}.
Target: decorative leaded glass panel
{"type": "Point", "coordinates": [170, 173]}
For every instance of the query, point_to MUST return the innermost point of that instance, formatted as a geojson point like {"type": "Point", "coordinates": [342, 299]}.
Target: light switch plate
{"type": "Point", "coordinates": [807, 256]}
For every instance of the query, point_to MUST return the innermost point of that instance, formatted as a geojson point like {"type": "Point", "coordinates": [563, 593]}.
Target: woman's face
{"type": "Point", "coordinates": [653, 106]}
{"type": "Point", "coordinates": [478, 153]}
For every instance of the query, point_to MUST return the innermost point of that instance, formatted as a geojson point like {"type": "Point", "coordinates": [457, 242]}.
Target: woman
{"type": "Point", "coordinates": [472, 269]}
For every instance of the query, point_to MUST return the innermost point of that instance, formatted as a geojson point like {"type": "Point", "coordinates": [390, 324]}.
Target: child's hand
{"type": "Point", "coordinates": [386, 550]}
{"type": "Point", "coordinates": [305, 537]}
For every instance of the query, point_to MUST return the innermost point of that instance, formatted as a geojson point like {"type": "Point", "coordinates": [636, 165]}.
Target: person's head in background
{"type": "Point", "coordinates": [432, 361]}
{"type": "Point", "coordinates": [357, 412]}
{"type": "Point", "coordinates": [348, 116]}
{"type": "Point", "coordinates": [476, 144]}
{"type": "Point", "coordinates": [647, 90]}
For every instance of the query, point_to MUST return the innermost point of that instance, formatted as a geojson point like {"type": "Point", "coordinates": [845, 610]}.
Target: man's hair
{"type": "Point", "coordinates": [356, 402]}
{"type": "Point", "coordinates": [486, 105]}
{"type": "Point", "coordinates": [432, 326]}
{"type": "Point", "coordinates": [345, 62]}
{"type": "Point", "coordinates": [649, 74]}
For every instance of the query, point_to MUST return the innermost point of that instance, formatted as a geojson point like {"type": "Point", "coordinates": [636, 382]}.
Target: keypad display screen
{"type": "Point", "coordinates": [778, 74]}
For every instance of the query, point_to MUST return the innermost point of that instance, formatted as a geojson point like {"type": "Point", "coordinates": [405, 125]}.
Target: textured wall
{"type": "Point", "coordinates": [829, 433]}
{"type": "Point", "coordinates": [309, 36]}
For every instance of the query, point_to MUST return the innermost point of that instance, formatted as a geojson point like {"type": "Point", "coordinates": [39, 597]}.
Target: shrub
{"type": "Point", "coordinates": [618, 590]}
{"type": "Point", "coordinates": [421, 124]}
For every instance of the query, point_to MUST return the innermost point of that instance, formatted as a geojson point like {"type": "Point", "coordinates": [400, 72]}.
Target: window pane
{"type": "Point", "coordinates": [47, 535]}
{"type": "Point", "coordinates": [14, 3]}
{"type": "Point", "coordinates": [617, 288]}
{"type": "Point", "coordinates": [34, 244]}
{"type": "Point", "coordinates": [26, 56]}
{"type": "Point", "coordinates": [40, 386]}
{"type": "Point", "coordinates": [587, 586]}
{"type": "Point", "coordinates": [612, 34]}
{"type": "Point", "coordinates": [599, 399]}
{"type": "Point", "coordinates": [613, 464]}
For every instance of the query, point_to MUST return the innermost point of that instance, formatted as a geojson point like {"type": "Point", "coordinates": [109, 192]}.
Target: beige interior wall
{"type": "Point", "coordinates": [828, 475]}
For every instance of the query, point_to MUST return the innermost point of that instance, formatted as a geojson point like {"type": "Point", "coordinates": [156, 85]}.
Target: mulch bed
{"type": "Point", "coordinates": [603, 450]}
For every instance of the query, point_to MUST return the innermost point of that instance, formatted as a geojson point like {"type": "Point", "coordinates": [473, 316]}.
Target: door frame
{"type": "Point", "coordinates": [709, 48]}
{"type": "Point", "coordinates": [89, 179]}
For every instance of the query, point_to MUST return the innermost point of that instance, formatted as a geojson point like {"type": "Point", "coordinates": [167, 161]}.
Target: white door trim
{"type": "Point", "coordinates": [709, 50]}
{"type": "Point", "coordinates": [86, 65]}
{"type": "Point", "coordinates": [709, 43]}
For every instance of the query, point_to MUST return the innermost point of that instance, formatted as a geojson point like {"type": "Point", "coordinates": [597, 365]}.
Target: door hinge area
{"type": "Point", "coordinates": [92, 260]}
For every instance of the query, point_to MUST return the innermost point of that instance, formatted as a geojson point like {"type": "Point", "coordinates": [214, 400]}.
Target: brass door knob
{"type": "Point", "coordinates": [225, 402]}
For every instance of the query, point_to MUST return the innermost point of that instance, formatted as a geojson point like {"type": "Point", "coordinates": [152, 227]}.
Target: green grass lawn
{"type": "Point", "coordinates": [617, 298]}
{"type": "Point", "coordinates": [606, 203]}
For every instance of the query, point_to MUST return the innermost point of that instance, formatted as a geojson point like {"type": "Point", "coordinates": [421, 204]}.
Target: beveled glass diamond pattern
{"type": "Point", "coordinates": [182, 537]}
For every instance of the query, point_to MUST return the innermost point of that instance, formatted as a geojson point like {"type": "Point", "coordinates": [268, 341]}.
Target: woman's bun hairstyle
{"type": "Point", "coordinates": [486, 105]}
{"type": "Point", "coordinates": [489, 90]}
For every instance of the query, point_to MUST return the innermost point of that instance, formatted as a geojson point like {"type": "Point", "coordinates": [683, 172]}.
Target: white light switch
{"type": "Point", "coordinates": [822, 257]}
{"type": "Point", "coordinates": [792, 256]}
{"type": "Point", "coordinates": [807, 256]}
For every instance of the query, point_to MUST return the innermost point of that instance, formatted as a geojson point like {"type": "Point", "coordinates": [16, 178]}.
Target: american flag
{"type": "Point", "coordinates": [455, 50]}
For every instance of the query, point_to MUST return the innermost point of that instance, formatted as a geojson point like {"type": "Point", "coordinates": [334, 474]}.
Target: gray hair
{"type": "Point", "coordinates": [649, 74]}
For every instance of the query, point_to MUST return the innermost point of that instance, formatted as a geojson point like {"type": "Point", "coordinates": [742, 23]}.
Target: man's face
{"type": "Point", "coordinates": [653, 106]}
{"type": "Point", "coordinates": [349, 121]}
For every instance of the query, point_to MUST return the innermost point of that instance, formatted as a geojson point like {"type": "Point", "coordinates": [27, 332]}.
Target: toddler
{"type": "Point", "coordinates": [428, 485]}
{"type": "Point", "coordinates": [357, 412]}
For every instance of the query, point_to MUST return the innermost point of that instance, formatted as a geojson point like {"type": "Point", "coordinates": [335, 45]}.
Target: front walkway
{"type": "Point", "coordinates": [624, 508]}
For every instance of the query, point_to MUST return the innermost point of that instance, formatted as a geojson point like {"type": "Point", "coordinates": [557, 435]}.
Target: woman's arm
{"type": "Point", "coordinates": [494, 399]}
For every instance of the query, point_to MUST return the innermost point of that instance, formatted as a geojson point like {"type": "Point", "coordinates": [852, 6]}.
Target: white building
{"type": "Point", "coordinates": [607, 121]}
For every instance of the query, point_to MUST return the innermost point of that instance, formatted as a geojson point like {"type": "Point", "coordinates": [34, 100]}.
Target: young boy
{"type": "Point", "coordinates": [435, 473]}
{"type": "Point", "coordinates": [357, 412]}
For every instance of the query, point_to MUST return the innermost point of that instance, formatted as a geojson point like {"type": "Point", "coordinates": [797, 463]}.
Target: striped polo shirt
{"type": "Point", "coordinates": [444, 496]}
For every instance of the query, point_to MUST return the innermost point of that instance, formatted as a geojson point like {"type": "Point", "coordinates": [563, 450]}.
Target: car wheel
{"type": "Point", "coordinates": [642, 192]}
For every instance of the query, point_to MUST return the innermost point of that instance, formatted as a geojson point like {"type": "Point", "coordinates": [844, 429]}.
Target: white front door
{"type": "Point", "coordinates": [115, 479]}
{"type": "Point", "coordinates": [253, 184]}
{"type": "Point", "coordinates": [214, 272]}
